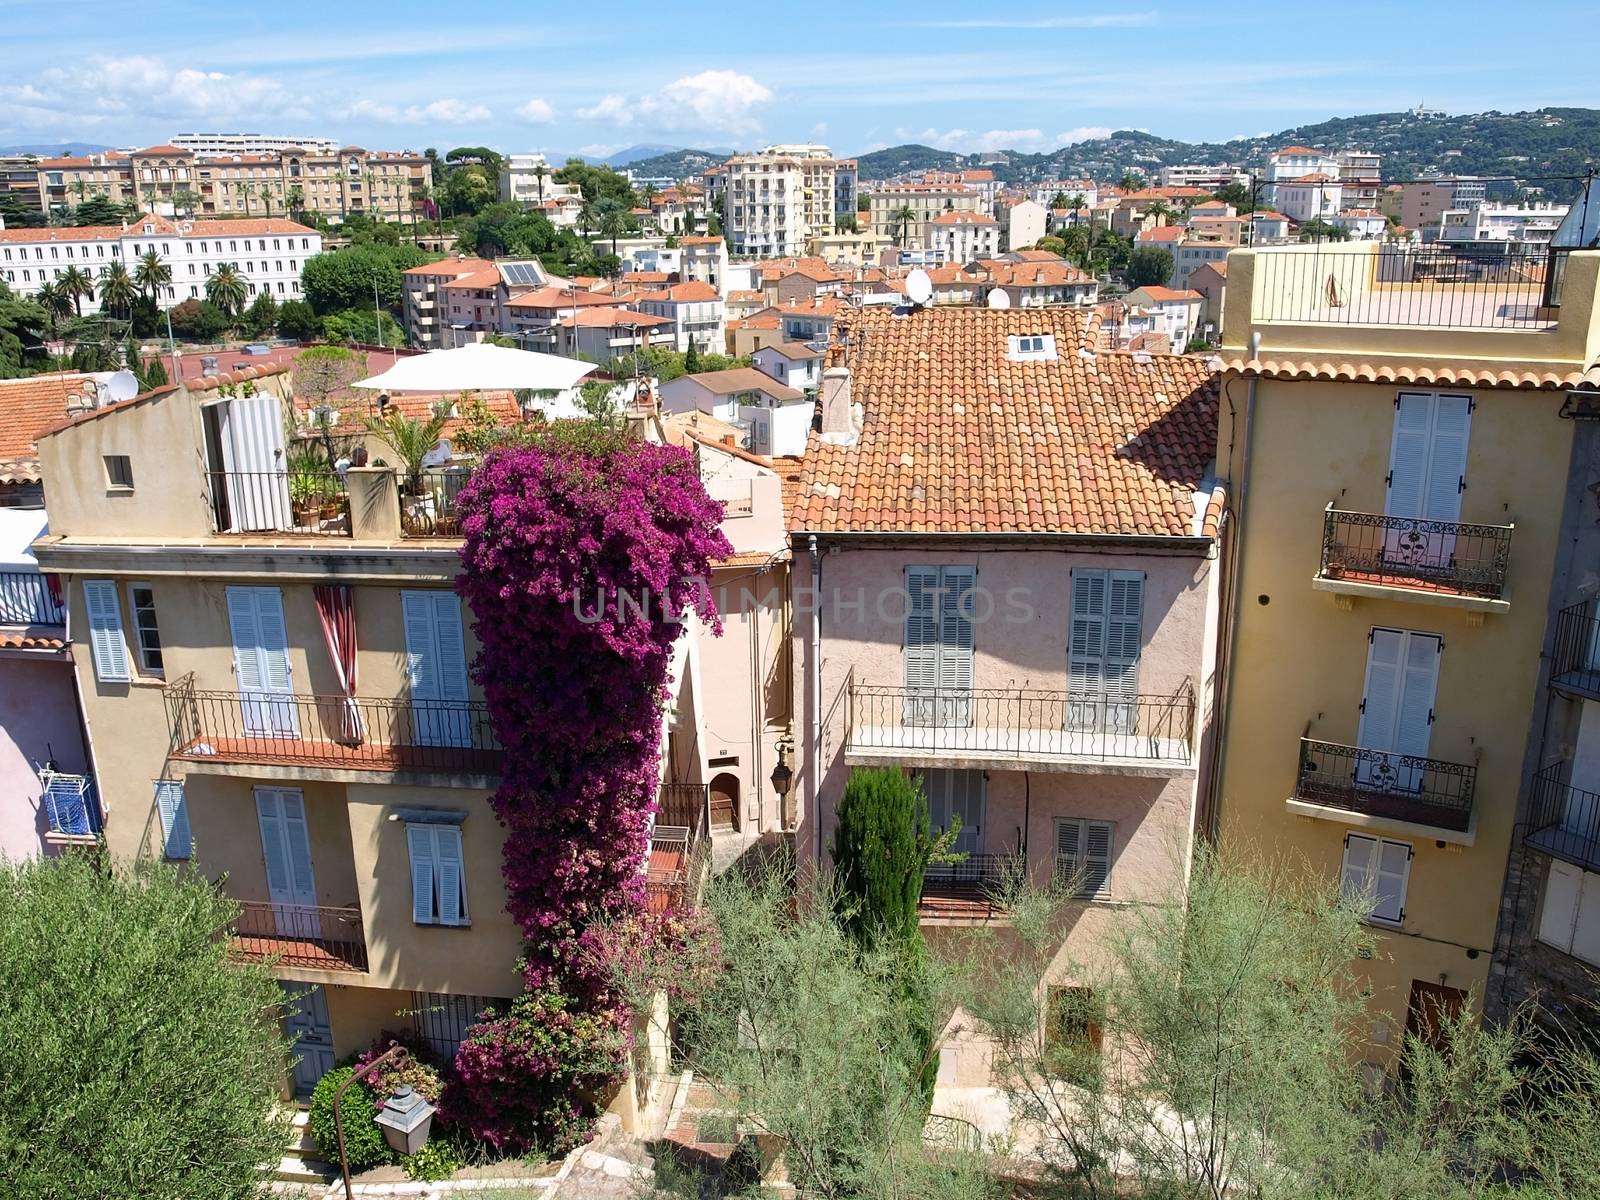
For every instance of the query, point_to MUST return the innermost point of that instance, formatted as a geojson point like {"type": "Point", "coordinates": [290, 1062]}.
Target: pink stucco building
{"type": "Point", "coordinates": [1011, 540]}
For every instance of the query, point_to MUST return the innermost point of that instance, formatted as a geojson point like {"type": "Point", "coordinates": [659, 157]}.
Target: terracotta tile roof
{"type": "Point", "coordinates": [1150, 343]}
{"type": "Point", "coordinates": [645, 277]}
{"type": "Point", "coordinates": [1036, 256]}
{"type": "Point", "coordinates": [28, 408]}
{"type": "Point", "coordinates": [556, 297]}
{"type": "Point", "coordinates": [1298, 150]}
{"type": "Point", "coordinates": [31, 637]}
{"type": "Point", "coordinates": [1161, 233]}
{"type": "Point", "coordinates": [450, 266]}
{"type": "Point", "coordinates": [791, 471]}
{"type": "Point", "coordinates": [794, 351]}
{"type": "Point", "coordinates": [1037, 274]}
{"type": "Point", "coordinates": [1156, 294]}
{"type": "Point", "coordinates": [744, 379]}
{"type": "Point", "coordinates": [699, 241]}
{"type": "Point", "coordinates": [167, 151]}
{"type": "Point", "coordinates": [201, 383]}
{"type": "Point", "coordinates": [484, 279]}
{"type": "Point", "coordinates": [742, 297]}
{"type": "Point", "coordinates": [1267, 214]}
{"type": "Point", "coordinates": [1312, 178]}
{"type": "Point", "coordinates": [600, 318]}
{"type": "Point", "coordinates": [823, 306]}
{"type": "Point", "coordinates": [135, 229]}
{"type": "Point", "coordinates": [957, 439]}
{"type": "Point", "coordinates": [1364, 372]}
{"type": "Point", "coordinates": [684, 293]}
{"type": "Point", "coordinates": [963, 218]}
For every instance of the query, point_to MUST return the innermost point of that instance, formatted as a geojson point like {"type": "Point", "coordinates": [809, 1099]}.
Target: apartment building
{"type": "Point", "coordinates": [704, 259]}
{"type": "Point", "coordinates": [903, 209]}
{"type": "Point", "coordinates": [212, 145]}
{"type": "Point", "coordinates": [695, 310]}
{"type": "Point", "coordinates": [1485, 221]}
{"type": "Point", "coordinates": [1361, 174]}
{"type": "Point", "coordinates": [1292, 162]}
{"type": "Point", "coordinates": [1421, 204]}
{"type": "Point", "coordinates": [47, 794]}
{"type": "Point", "coordinates": [268, 253]}
{"type": "Point", "coordinates": [275, 665]}
{"type": "Point", "coordinates": [1208, 177]}
{"type": "Point", "coordinates": [1392, 579]}
{"type": "Point", "coordinates": [1034, 646]}
{"type": "Point", "coordinates": [422, 304]}
{"type": "Point", "coordinates": [774, 202]}
{"type": "Point", "coordinates": [527, 179]}
{"type": "Point", "coordinates": [963, 236]}
{"type": "Point", "coordinates": [174, 180]}
{"type": "Point", "coordinates": [1313, 197]}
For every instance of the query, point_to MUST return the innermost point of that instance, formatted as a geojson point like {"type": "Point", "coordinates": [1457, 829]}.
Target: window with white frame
{"type": "Point", "coordinates": [1083, 855]}
{"type": "Point", "coordinates": [1375, 875]}
{"type": "Point", "coordinates": [147, 634]}
{"type": "Point", "coordinates": [438, 875]}
{"type": "Point", "coordinates": [1032, 347]}
{"type": "Point", "coordinates": [1569, 917]}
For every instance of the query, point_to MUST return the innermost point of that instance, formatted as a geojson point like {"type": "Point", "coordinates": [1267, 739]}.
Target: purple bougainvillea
{"type": "Point", "coordinates": [580, 551]}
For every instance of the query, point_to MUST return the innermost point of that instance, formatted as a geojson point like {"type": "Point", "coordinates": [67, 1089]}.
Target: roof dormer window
{"type": "Point", "coordinates": [1031, 347]}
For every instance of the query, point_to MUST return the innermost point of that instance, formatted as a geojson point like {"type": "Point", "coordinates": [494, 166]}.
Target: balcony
{"type": "Point", "coordinates": [1440, 562]}
{"type": "Point", "coordinates": [1564, 821]}
{"type": "Point", "coordinates": [1497, 286]}
{"type": "Point", "coordinates": [1373, 785]}
{"type": "Point", "coordinates": [293, 502]}
{"type": "Point", "coordinates": [300, 937]}
{"type": "Point", "coordinates": [26, 599]}
{"type": "Point", "coordinates": [1012, 728]}
{"type": "Point", "coordinates": [1575, 657]}
{"type": "Point", "coordinates": [428, 505]}
{"type": "Point", "coordinates": [969, 888]}
{"type": "Point", "coordinates": [337, 732]}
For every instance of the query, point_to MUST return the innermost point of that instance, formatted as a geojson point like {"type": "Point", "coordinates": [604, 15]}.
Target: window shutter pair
{"type": "Point", "coordinates": [1083, 855]}
{"type": "Point", "coordinates": [438, 875]}
{"type": "Point", "coordinates": [108, 648]}
{"type": "Point", "coordinates": [1379, 870]}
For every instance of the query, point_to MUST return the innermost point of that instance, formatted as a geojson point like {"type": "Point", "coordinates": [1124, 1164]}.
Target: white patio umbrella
{"type": "Point", "coordinates": [479, 366]}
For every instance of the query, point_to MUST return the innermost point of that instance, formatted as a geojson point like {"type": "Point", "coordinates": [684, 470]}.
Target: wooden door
{"type": "Point", "coordinates": [1432, 1007]}
{"type": "Point", "coordinates": [725, 801]}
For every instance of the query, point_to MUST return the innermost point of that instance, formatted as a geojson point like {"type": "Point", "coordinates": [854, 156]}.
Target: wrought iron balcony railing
{"type": "Point", "coordinates": [428, 502]}
{"type": "Point", "coordinates": [685, 806]}
{"type": "Point", "coordinates": [26, 599]}
{"type": "Point", "coordinates": [975, 877]}
{"type": "Point", "coordinates": [1407, 552]}
{"type": "Point", "coordinates": [1575, 657]}
{"type": "Point", "coordinates": [1564, 820]}
{"type": "Point", "coordinates": [1401, 787]}
{"type": "Point", "coordinates": [298, 502]}
{"type": "Point", "coordinates": [1043, 726]}
{"type": "Point", "coordinates": [300, 936]}
{"type": "Point", "coordinates": [336, 731]}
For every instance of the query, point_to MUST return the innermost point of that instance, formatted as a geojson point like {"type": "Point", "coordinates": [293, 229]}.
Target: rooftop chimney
{"type": "Point", "coordinates": [839, 425]}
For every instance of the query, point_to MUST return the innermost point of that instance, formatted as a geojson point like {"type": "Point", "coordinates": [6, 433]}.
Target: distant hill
{"type": "Point", "coordinates": [60, 150]}
{"type": "Point", "coordinates": [676, 164]}
{"type": "Point", "coordinates": [1528, 145]}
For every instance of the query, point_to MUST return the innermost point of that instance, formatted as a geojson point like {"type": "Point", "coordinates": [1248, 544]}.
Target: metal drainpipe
{"type": "Point", "coordinates": [814, 653]}
{"type": "Point", "coordinates": [1214, 813]}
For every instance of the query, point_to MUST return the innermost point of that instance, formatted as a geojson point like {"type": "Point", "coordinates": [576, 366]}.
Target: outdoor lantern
{"type": "Point", "coordinates": [782, 777]}
{"type": "Point", "coordinates": [406, 1119]}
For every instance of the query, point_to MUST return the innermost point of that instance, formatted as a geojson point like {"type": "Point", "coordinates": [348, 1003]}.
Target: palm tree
{"type": "Point", "coordinates": [410, 440]}
{"type": "Point", "coordinates": [372, 194]}
{"type": "Point", "coordinates": [901, 219]}
{"type": "Point", "coordinates": [55, 302]}
{"type": "Point", "coordinates": [76, 283]}
{"type": "Point", "coordinates": [183, 199]}
{"type": "Point", "coordinates": [1076, 203]}
{"type": "Point", "coordinates": [1158, 209]}
{"type": "Point", "coordinates": [247, 192]}
{"type": "Point", "coordinates": [588, 218]}
{"type": "Point", "coordinates": [540, 173]}
{"type": "Point", "coordinates": [117, 289]}
{"type": "Point", "coordinates": [613, 220]}
{"type": "Point", "coordinates": [227, 289]}
{"type": "Point", "coordinates": [295, 201]}
{"type": "Point", "coordinates": [152, 274]}
{"type": "Point", "coordinates": [79, 186]}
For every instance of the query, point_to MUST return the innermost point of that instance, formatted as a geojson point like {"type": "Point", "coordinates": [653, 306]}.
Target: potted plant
{"type": "Point", "coordinates": [306, 471]}
{"type": "Point", "coordinates": [412, 441]}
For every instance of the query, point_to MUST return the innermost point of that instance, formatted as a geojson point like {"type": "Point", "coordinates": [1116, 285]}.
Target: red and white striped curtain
{"type": "Point", "coordinates": [337, 609]}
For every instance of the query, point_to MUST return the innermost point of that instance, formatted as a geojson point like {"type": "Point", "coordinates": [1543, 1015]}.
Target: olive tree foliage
{"type": "Point", "coordinates": [140, 1060]}
{"type": "Point", "coordinates": [1222, 1055]}
{"type": "Point", "coordinates": [803, 1035]}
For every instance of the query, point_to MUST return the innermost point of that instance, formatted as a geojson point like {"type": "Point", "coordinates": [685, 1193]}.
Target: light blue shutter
{"type": "Point", "coordinates": [421, 660]}
{"type": "Point", "coordinates": [1097, 839]}
{"type": "Point", "coordinates": [419, 842]}
{"type": "Point", "coordinates": [451, 875]}
{"type": "Point", "coordinates": [956, 644]}
{"type": "Point", "coordinates": [1418, 688]}
{"type": "Point", "coordinates": [107, 646]}
{"type": "Point", "coordinates": [922, 644]}
{"type": "Point", "coordinates": [246, 631]}
{"type": "Point", "coordinates": [1086, 649]}
{"type": "Point", "coordinates": [1380, 701]}
{"type": "Point", "coordinates": [1447, 458]}
{"type": "Point", "coordinates": [1408, 455]}
{"type": "Point", "coordinates": [273, 851]}
{"type": "Point", "coordinates": [1124, 617]}
{"type": "Point", "coordinates": [173, 810]}
{"type": "Point", "coordinates": [274, 639]}
{"type": "Point", "coordinates": [1393, 868]}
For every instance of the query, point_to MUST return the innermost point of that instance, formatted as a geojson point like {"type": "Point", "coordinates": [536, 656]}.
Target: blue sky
{"type": "Point", "coordinates": [595, 78]}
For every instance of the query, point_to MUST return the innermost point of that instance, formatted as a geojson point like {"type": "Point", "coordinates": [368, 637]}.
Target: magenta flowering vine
{"type": "Point", "coordinates": [575, 680]}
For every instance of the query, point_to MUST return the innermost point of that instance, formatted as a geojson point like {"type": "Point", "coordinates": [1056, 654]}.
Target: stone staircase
{"type": "Point", "coordinates": [304, 1164]}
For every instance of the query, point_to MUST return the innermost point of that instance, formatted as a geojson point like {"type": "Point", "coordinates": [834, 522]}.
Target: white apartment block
{"type": "Point", "coordinates": [696, 311]}
{"type": "Point", "coordinates": [774, 202]}
{"type": "Point", "coordinates": [268, 253]}
{"type": "Point", "coordinates": [963, 236]}
{"type": "Point", "coordinates": [1295, 162]}
{"type": "Point", "coordinates": [1209, 177]}
{"type": "Point", "coordinates": [1523, 224]}
{"type": "Point", "coordinates": [529, 179]}
{"type": "Point", "coordinates": [208, 144]}
{"type": "Point", "coordinates": [1044, 193]}
{"type": "Point", "coordinates": [1310, 197]}
{"type": "Point", "coordinates": [1361, 173]}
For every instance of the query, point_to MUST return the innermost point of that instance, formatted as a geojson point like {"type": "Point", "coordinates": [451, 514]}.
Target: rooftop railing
{"type": "Point", "coordinates": [26, 599]}
{"type": "Point", "coordinates": [1575, 656]}
{"type": "Point", "coordinates": [1377, 783]}
{"type": "Point", "coordinates": [295, 502]}
{"type": "Point", "coordinates": [428, 502]}
{"type": "Point", "coordinates": [1443, 556]}
{"type": "Point", "coordinates": [1478, 286]}
{"type": "Point", "coordinates": [1564, 820]}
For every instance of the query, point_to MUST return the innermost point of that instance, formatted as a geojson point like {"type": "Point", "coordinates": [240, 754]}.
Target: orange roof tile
{"type": "Point", "coordinates": [1325, 370]}
{"type": "Point", "coordinates": [557, 297]}
{"type": "Point", "coordinates": [29, 407]}
{"type": "Point", "coordinates": [1298, 150]}
{"type": "Point", "coordinates": [1157, 294]}
{"type": "Point", "coordinates": [699, 240]}
{"type": "Point", "coordinates": [598, 318]}
{"type": "Point", "coordinates": [684, 293]}
{"type": "Point", "coordinates": [958, 439]}
{"type": "Point", "coordinates": [450, 266]}
{"type": "Point", "coordinates": [30, 637]}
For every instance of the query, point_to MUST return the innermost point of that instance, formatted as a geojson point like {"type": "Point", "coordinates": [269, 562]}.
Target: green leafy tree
{"type": "Point", "coordinates": [1237, 195]}
{"type": "Point", "coordinates": [152, 274]}
{"type": "Point", "coordinates": [16, 213]}
{"type": "Point", "coordinates": [362, 326]}
{"type": "Point", "coordinates": [1149, 266]}
{"type": "Point", "coordinates": [139, 1062]}
{"type": "Point", "coordinates": [1318, 230]}
{"type": "Point", "coordinates": [299, 321]}
{"type": "Point", "coordinates": [96, 210]}
{"type": "Point", "coordinates": [691, 359]}
{"type": "Point", "coordinates": [22, 329]}
{"type": "Point", "coordinates": [410, 439]}
{"type": "Point", "coordinates": [56, 302]}
{"type": "Point", "coordinates": [118, 291]}
{"type": "Point", "coordinates": [1131, 181]}
{"type": "Point", "coordinates": [319, 373]}
{"type": "Point", "coordinates": [713, 225]}
{"type": "Point", "coordinates": [199, 320]}
{"type": "Point", "coordinates": [341, 279]}
{"type": "Point", "coordinates": [262, 315]}
{"type": "Point", "coordinates": [77, 284]}
{"type": "Point", "coordinates": [227, 288]}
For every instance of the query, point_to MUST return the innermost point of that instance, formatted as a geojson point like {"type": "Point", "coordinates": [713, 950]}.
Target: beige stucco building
{"type": "Point", "coordinates": [1399, 474]}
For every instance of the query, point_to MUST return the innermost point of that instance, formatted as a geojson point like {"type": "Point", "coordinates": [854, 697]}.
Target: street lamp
{"type": "Point", "coordinates": [782, 780]}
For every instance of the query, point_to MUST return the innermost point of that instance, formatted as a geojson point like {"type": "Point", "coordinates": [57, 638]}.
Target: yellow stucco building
{"type": "Point", "coordinates": [1392, 417]}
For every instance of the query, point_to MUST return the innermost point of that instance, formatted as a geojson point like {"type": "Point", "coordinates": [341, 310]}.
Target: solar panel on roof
{"type": "Point", "coordinates": [522, 274]}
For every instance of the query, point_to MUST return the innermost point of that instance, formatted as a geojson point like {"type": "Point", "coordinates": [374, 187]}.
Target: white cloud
{"type": "Point", "coordinates": [537, 112]}
{"type": "Point", "coordinates": [448, 111]}
{"type": "Point", "coordinates": [89, 90]}
{"type": "Point", "coordinates": [1029, 141]}
{"type": "Point", "coordinates": [1082, 21]}
{"type": "Point", "coordinates": [600, 149]}
{"type": "Point", "coordinates": [714, 100]}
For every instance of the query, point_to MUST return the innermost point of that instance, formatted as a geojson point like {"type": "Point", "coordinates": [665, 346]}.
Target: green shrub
{"type": "Point", "coordinates": [437, 1159]}
{"type": "Point", "coordinates": [363, 1139]}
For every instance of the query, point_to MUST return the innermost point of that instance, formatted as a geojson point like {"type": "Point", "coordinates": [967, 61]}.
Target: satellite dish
{"type": "Point", "coordinates": [919, 288]}
{"type": "Point", "coordinates": [121, 385]}
{"type": "Point", "coordinates": [998, 298]}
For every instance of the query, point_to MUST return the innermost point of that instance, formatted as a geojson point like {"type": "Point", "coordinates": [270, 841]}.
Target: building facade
{"type": "Point", "coordinates": [1392, 588]}
{"type": "Point", "coordinates": [774, 202]}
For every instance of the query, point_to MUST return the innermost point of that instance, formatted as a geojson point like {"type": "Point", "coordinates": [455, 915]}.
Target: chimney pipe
{"type": "Point", "coordinates": [838, 416]}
